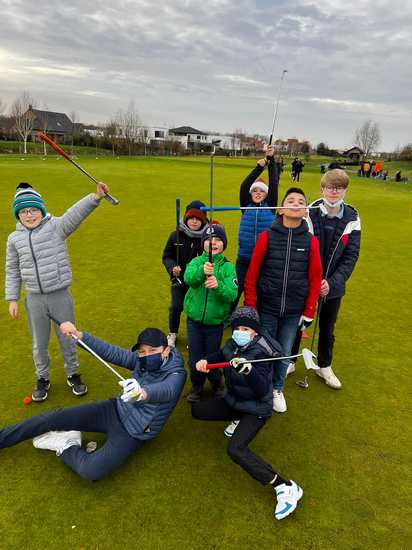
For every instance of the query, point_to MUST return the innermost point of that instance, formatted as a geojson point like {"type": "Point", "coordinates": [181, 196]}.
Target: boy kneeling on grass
{"type": "Point", "coordinates": [135, 416]}
{"type": "Point", "coordinates": [248, 402]}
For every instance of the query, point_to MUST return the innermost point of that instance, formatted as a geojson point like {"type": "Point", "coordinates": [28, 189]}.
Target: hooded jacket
{"type": "Point", "coordinates": [145, 419]}
{"type": "Point", "coordinates": [38, 257]}
{"type": "Point", "coordinates": [251, 393]}
{"type": "Point", "coordinates": [210, 306]}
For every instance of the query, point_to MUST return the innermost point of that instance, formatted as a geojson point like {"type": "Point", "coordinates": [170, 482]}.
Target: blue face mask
{"type": "Point", "coordinates": [241, 337]}
{"type": "Point", "coordinates": [151, 362]}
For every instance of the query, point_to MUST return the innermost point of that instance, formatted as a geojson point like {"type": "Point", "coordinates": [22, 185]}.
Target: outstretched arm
{"type": "Point", "coordinates": [244, 195]}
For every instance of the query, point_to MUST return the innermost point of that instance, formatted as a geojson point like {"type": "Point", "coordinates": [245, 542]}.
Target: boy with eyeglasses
{"type": "Point", "coordinates": [37, 257]}
{"type": "Point", "coordinates": [338, 230]}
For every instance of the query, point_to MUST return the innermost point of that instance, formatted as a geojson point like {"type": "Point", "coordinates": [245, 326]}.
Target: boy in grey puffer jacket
{"type": "Point", "coordinates": [37, 256]}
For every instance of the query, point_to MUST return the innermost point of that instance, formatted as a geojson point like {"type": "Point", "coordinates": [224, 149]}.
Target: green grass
{"type": "Point", "coordinates": [350, 449]}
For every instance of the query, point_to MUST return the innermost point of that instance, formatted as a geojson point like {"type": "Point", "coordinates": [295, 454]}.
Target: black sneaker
{"type": "Point", "coordinates": [76, 384]}
{"type": "Point", "coordinates": [219, 390]}
{"type": "Point", "coordinates": [40, 393]}
{"type": "Point", "coordinates": [194, 395]}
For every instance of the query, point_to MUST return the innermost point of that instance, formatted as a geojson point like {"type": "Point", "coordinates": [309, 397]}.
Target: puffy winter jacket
{"type": "Point", "coordinates": [38, 257]}
{"type": "Point", "coordinates": [252, 393]}
{"type": "Point", "coordinates": [343, 251]}
{"type": "Point", "coordinates": [145, 419]}
{"type": "Point", "coordinates": [210, 306]}
{"type": "Point", "coordinates": [254, 222]}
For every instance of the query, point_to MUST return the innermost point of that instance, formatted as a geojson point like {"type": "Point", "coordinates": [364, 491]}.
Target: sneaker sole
{"type": "Point", "coordinates": [74, 391]}
{"type": "Point", "coordinates": [39, 399]}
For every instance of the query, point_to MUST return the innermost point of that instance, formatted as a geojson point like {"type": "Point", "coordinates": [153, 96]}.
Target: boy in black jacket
{"type": "Point", "coordinates": [339, 233]}
{"type": "Point", "coordinates": [190, 232]}
{"type": "Point", "coordinates": [248, 402]}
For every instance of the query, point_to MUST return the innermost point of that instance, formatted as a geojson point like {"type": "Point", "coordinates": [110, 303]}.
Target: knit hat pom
{"type": "Point", "coordinates": [245, 317]}
{"type": "Point", "coordinates": [26, 197]}
{"type": "Point", "coordinates": [259, 184]}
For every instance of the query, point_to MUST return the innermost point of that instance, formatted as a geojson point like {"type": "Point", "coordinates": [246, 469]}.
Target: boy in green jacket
{"type": "Point", "coordinates": [212, 289]}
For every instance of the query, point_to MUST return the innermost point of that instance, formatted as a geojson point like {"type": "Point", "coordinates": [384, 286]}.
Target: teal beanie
{"type": "Point", "coordinates": [27, 197]}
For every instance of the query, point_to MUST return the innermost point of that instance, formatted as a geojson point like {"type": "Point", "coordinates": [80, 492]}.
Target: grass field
{"type": "Point", "coordinates": [350, 450]}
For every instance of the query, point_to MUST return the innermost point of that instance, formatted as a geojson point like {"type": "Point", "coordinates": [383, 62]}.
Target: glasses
{"type": "Point", "coordinates": [334, 188]}
{"type": "Point", "coordinates": [29, 211]}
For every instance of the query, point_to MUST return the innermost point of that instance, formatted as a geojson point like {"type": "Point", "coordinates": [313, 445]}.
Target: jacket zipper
{"type": "Point", "coordinates": [36, 267]}
{"type": "Point", "coordinates": [286, 273]}
{"type": "Point", "coordinates": [204, 309]}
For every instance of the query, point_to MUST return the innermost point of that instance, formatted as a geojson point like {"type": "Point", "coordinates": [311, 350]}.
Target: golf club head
{"type": "Point", "coordinates": [308, 359]}
{"type": "Point", "coordinates": [303, 383]}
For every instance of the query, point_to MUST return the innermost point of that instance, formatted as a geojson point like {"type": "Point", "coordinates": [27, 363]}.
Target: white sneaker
{"type": "Point", "coordinates": [279, 401]}
{"type": "Point", "coordinates": [287, 497]}
{"type": "Point", "coordinates": [58, 441]}
{"type": "Point", "coordinates": [230, 429]}
{"type": "Point", "coordinates": [329, 377]}
{"type": "Point", "coordinates": [291, 368]}
{"type": "Point", "coordinates": [171, 339]}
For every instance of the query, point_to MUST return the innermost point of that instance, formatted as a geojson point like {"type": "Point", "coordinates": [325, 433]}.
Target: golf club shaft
{"type": "Point", "coordinates": [63, 153]}
{"type": "Point", "coordinates": [87, 348]}
{"type": "Point", "coordinates": [234, 208]}
{"type": "Point", "coordinates": [320, 302]}
{"type": "Point", "coordinates": [227, 363]}
{"type": "Point", "coordinates": [275, 115]}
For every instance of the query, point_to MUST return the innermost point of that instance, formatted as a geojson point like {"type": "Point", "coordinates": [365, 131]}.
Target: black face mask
{"type": "Point", "coordinates": [151, 362]}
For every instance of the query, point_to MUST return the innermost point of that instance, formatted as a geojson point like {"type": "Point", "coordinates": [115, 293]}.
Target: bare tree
{"type": "Point", "coordinates": [23, 116]}
{"type": "Point", "coordinates": [43, 118]}
{"type": "Point", "coordinates": [73, 118]}
{"type": "Point", "coordinates": [130, 124]}
{"type": "Point", "coordinates": [368, 137]}
{"type": "Point", "coordinates": [111, 133]}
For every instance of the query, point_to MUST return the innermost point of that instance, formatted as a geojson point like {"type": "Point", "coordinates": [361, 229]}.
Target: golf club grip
{"type": "Point", "coordinates": [53, 145]}
{"type": "Point", "coordinates": [218, 365]}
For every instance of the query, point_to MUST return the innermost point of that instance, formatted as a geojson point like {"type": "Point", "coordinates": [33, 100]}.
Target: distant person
{"type": "Point", "coordinates": [339, 233]}
{"type": "Point", "coordinates": [247, 403]}
{"type": "Point", "coordinates": [157, 377]}
{"type": "Point", "coordinates": [254, 193]}
{"type": "Point", "coordinates": [398, 176]}
{"type": "Point", "coordinates": [212, 290]}
{"type": "Point", "coordinates": [297, 168]}
{"type": "Point", "coordinates": [283, 281]}
{"type": "Point", "coordinates": [37, 258]}
{"type": "Point", "coordinates": [178, 252]}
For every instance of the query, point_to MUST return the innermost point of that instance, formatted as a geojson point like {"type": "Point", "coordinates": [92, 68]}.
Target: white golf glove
{"type": "Point", "coordinates": [132, 390]}
{"type": "Point", "coordinates": [304, 322]}
{"type": "Point", "coordinates": [240, 365]}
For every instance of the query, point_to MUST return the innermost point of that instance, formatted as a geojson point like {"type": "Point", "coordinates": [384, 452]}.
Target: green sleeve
{"type": "Point", "coordinates": [227, 283]}
{"type": "Point", "coordinates": [194, 274]}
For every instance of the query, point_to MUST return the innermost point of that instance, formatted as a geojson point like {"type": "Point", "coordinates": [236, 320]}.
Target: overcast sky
{"type": "Point", "coordinates": [216, 64]}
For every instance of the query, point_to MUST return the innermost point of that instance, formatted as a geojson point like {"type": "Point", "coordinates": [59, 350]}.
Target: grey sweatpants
{"type": "Point", "coordinates": [59, 305]}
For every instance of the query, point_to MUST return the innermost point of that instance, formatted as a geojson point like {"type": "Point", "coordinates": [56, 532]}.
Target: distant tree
{"type": "Point", "coordinates": [368, 137]}
{"type": "Point", "coordinates": [43, 118]}
{"type": "Point", "coordinates": [406, 152]}
{"type": "Point", "coordinates": [322, 149]}
{"type": "Point", "coordinates": [305, 147]}
{"type": "Point", "coordinates": [130, 126]}
{"type": "Point", "coordinates": [239, 135]}
{"type": "Point", "coordinates": [111, 133]}
{"type": "Point", "coordinates": [23, 117]}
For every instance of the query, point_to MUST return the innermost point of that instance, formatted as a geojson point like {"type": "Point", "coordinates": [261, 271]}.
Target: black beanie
{"type": "Point", "coordinates": [195, 204]}
{"type": "Point", "coordinates": [246, 317]}
{"type": "Point", "coordinates": [215, 230]}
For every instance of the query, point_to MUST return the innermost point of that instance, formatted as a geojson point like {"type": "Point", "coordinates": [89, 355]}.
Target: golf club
{"type": "Point", "coordinates": [307, 355]}
{"type": "Point", "coordinates": [60, 151]}
{"type": "Point", "coordinates": [176, 280]}
{"type": "Point", "coordinates": [276, 106]}
{"type": "Point", "coordinates": [87, 348]}
{"type": "Point", "coordinates": [321, 207]}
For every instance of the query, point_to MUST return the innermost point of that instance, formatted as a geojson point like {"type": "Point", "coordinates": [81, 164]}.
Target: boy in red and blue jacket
{"type": "Point", "coordinates": [283, 281]}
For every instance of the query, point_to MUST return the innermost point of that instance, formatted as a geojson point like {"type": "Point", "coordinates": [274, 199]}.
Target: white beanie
{"type": "Point", "coordinates": [259, 184]}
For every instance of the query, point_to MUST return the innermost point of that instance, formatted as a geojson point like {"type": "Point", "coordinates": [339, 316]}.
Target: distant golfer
{"type": "Point", "coordinates": [37, 257]}
{"type": "Point", "coordinates": [137, 415]}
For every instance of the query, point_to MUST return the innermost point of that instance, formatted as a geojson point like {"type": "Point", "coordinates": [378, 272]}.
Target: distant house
{"type": "Point", "coordinates": [355, 154]}
{"type": "Point", "coordinates": [195, 140]}
{"type": "Point", "coordinates": [56, 125]}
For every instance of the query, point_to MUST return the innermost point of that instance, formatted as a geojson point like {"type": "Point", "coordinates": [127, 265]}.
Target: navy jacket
{"type": "Point", "coordinates": [145, 419]}
{"type": "Point", "coordinates": [251, 393]}
{"type": "Point", "coordinates": [343, 252]}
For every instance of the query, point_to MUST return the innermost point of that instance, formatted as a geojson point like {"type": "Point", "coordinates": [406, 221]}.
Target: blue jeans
{"type": "Point", "coordinates": [93, 417]}
{"type": "Point", "coordinates": [203, 340]}
{"type": "Point", "coordinates": [283, 329]}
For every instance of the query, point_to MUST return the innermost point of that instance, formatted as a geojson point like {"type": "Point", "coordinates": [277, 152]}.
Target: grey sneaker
{"type": "Point", "coordinates": [58, 441]}
{"type": "Point", "coordinates": [40, 392]}
{"type": "Point", "coordinates": [76, 384]}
